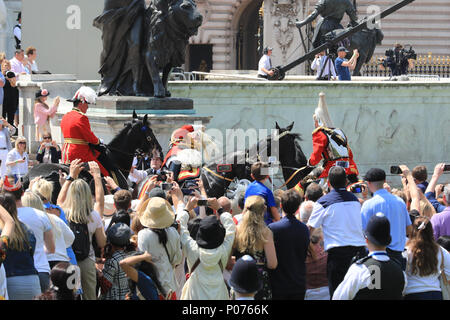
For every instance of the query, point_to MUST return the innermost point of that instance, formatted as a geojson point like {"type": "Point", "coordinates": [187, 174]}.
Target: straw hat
{"type": "Point", "coordinates": [158, 214]}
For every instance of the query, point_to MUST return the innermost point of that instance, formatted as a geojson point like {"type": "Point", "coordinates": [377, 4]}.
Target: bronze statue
{"type": "Point", "coordinates": [138, 43]}
{"type": "Point", "coordinates": [332, 12]}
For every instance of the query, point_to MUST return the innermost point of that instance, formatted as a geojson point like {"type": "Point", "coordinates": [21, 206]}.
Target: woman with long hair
{"type": "Point", "coordinates": [254, 238]}
{"type": "Point", "coordinates": [22, 277]}
{"type": "Point", "coordinates": [64, 237]}
{"type": "Point", "coordinates": [425, 258]}
{"type": "Point", "coordinates": [76, 200]}
{"type": "Point", "coordinates": [43, 113]}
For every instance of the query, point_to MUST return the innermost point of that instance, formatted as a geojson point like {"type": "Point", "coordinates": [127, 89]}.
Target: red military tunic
{"type": "Point", "coordinates": [321, 149]}
{"type": "Point", "coordinates": [77, 133]}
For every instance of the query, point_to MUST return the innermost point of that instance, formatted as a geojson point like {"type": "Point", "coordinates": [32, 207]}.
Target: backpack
{"type": "Point", "coordinates": [82, 243]}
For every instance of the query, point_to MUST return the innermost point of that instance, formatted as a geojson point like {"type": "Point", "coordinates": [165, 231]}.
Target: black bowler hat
{"type": "Point", "coordinates": [245, 277]}
{"type": "Point", "coordinates": [378, 230]}
{"type": "Point", "coordinates": [375, 174]}
{"type": "Point", "coordinates": [211, 233]}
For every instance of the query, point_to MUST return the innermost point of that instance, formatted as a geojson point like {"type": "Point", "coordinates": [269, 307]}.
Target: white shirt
{"type": "Point", "coordinates": [341, 222]}
{"type": "Point", "coordinates": [39, 223]}
{"type": "Point", "coordinates": [416, 283]}
{"type": "Point", "coordinates": [17, 67]}
{"type": "Point", "coordinates": [63, 239]}
{"type": "Point", "coordinates": [322, 63]}
{"type": "Point", "coordinates": [3, 142]}
{"type": "Point", "coordinates": [357, 277]}
{"type": "Point", "coordinates": [20, 169]}
{"type": "Point", "coordinates": [265, 63]}
{"type": "Point", "coordinates": [95, 222]}
{"type": "Point", "coordinates": [18, 32]}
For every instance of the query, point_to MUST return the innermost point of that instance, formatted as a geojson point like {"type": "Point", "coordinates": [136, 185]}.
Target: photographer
{"type": "Point", "coordinates": [155, 169]}
{"type": "Point", "coordinates": [49, 151]}
{"type": "Point", "coordinates": [399, 60]}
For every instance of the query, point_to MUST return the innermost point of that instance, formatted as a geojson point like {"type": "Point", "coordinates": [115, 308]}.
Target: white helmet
{"type": "Point", "coordinates": [321, 113]}
{"type": "Point", "coordinates": [85, 94]}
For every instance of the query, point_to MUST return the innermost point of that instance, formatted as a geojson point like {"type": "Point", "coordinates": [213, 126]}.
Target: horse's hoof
{"type": "Point", "coordinates": [168, 94]}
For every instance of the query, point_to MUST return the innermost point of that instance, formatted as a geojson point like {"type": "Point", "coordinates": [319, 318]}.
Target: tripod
{"type": "Point", "coordinates": [329, 59]}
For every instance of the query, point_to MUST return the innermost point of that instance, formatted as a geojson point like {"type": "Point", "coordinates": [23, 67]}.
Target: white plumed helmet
{"type": "Point", "coordinates": [321, 113]}
{"type": "Point", "coordinates": [85, 94]}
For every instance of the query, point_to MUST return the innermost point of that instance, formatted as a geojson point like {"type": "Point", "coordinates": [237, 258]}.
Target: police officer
{"type": "Point", "coordinates": [375, 277]}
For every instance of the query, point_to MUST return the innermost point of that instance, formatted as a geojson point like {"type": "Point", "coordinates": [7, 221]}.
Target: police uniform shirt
{"type": "Point", "coordinates": [265, 63]}
{"type": "Point", "coordinates": [359, 277]}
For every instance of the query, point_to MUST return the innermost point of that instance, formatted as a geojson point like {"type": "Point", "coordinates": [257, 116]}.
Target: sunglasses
{"type": "Point", "coordinates": [47, 138]}
{"type": "Point", "coordinates": [22, 143]}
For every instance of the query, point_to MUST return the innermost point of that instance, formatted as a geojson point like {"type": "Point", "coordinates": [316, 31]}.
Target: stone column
{"type": "Point", "coordinates": [280, 31]}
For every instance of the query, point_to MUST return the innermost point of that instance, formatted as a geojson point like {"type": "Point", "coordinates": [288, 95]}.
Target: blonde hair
{"type": "Point", "coordinates": [18, 140]}
{"type": "Point", "coordinates": [250, 233]}
{"type": "Point", "coordinates": [44, 188]}
{"type": "Point", "coordinates": [78, 204]}
{"type": "Point", "coordinates": [426, 208]}
{"type": "Point", "coordinates": [32, 200]}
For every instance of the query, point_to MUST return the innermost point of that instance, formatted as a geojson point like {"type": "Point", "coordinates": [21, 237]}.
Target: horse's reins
{"type": "Point", "coordinates": [217, 175]}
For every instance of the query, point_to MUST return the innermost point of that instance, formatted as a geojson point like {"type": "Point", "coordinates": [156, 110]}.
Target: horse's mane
{"type": "Point", "coordinates": [119, 138]}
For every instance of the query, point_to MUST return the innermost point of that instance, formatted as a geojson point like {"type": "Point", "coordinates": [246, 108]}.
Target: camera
{"type": "Point", "coordinates": [166, 186]}
{"type": "Point", "coordinates": [191, 184]}
{"type": "Point", "coordinates": [202, 202]}
{"type": "Point", "coordinates": [447, 167]}
{"type": "Point", "coordinates": [357, 188]}
{"type": "Point", "coordinates": [162, 176]}
{"type": "Point", "coordinates": [396, 170]}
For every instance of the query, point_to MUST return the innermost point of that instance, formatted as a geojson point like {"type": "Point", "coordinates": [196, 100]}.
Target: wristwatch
{"type": "Point", "coordinates": [69, 178]}
{"type": "Point", "coordinates": [220, 211]}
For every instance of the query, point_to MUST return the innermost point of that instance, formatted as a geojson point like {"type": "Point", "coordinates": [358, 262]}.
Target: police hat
{"type": "Point", "coordinates": [375, 174]}
{"type": "Point", "coordinates": [245, 277]}
{"type": "Point", "coordinates": [378, 230]}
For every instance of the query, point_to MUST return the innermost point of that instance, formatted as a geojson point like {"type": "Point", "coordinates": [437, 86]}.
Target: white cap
{"type": "Point", "coordinates": [321, 113]}
{"type": "Point", "coordinates": [85, 94]}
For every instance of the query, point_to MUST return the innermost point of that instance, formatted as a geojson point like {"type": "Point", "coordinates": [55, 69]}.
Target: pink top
{"type": "Point", "coordinates": [41, 113]}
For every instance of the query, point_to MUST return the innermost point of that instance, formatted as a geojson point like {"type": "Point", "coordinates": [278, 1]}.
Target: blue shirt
{"type": "Point", "coordinates": [436, 204]}
{"type": "Point", "coordinates": [291, 238]}
{"type": "Point", "coordinates": [343, 72]}
{"type": "Point", "coordinates": [257, 188]}
{"type": "Point", "coordinates": [395, 210]}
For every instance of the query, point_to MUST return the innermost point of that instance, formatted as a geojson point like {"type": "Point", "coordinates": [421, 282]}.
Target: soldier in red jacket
{"type": "Point", "coordinates": [330, 144]}
{"type": "Point", "coordinates": [79, 140]}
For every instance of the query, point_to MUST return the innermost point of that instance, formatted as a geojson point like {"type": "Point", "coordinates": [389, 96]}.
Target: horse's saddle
{"type": "Point", "coordinates": [188, 174]}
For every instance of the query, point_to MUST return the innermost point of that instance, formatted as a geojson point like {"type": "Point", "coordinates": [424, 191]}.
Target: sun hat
{"type": "Point", "coordinates": [158, 214]}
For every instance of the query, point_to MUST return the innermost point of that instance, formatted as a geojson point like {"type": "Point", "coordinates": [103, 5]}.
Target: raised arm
{"type": "Point", "coordinates": [94, 170]}
{"type": "Point", "coordinates": [74, 171]}
{"type": "Point", "coordinates": [127, 264]}
{"type": "Point", "coordinates": [412, 188]}
{"type": "Point", "coordinates": [8, 222]}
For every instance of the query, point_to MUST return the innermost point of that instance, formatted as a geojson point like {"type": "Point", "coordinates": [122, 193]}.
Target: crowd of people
{"type": "Point", "coordinates": [103, 243]}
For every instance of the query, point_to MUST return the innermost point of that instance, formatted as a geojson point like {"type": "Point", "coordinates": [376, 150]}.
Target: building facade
{"type": "Point", "coordinates": [232, 37]}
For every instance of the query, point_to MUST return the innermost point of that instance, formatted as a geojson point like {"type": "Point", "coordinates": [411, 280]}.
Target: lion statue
{"type": "Point", "coordinates": [140, 41]}
{"type": "Point", "coordinates": [170, 26]}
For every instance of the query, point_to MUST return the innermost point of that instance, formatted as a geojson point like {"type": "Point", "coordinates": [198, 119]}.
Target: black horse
{"type": "Point", "coordinates": [239, 162]}
{"type": "Point", "coordinates": [136, 135]}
